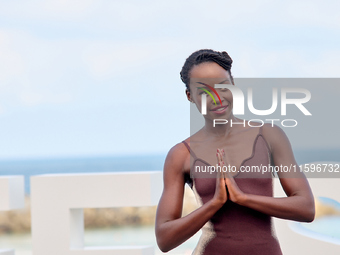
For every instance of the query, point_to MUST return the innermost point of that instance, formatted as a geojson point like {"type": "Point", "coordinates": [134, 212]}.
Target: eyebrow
{"type": "Point", "coordinates": [223, 81]}
{"type": "Point", "coordinates": [212, 90]}
{"type": "Point", "coordinates": [208, 86]}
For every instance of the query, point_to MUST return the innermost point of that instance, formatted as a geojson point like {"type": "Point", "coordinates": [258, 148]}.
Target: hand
{"type": "Point", "coordinates": [234, 193]}
{"type": "Point", "coordinates": [221, 193]}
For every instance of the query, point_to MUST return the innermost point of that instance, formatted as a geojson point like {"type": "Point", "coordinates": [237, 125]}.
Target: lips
{"type": "Point", "coordinates": [219, 109]}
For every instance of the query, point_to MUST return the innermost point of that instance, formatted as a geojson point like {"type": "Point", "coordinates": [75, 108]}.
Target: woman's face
{"type": "Point", "coordinates": [203, 78]}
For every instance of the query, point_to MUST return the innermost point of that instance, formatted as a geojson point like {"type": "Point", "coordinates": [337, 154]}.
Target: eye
{"type": "Point", "coordinates": [224, 89]}
{"type": "Point", "coordinates": [202, 91]}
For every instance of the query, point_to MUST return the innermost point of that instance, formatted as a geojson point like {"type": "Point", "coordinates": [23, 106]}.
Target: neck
{"type": "Point", "coordinates": [222, 130]}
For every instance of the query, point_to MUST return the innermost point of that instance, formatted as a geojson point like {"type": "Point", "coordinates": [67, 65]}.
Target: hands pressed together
{"type": "Point", "coordinates": [226, 187]}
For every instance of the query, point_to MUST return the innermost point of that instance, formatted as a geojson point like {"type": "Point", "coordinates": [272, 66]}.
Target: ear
{"type": "Point", "coordinates": [231, 78]}
{"type": "Point", "coordinates": [187, 92]}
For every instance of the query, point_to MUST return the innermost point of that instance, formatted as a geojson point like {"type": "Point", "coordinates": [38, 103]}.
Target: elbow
{"type": "Point", "coordinates": [309, 213]}
{"type": "Point", "coordinates": [162, 245]}
{"type": "Point", "coordinates": [163, 249]}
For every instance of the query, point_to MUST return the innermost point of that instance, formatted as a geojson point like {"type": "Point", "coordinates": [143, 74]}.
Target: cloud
{"type": "Point", "coordinates": [106, 58]}
{"type": "Point", "coordinates": [189, 16]}
{"type": "Point", "coordinates": [115, 59]}
{"type": "Point", "coordinates": [314, 13]}
{"type": "Point", "coordinates": [32, 99]}
{"type": "Point", "coordinates": [146, 38]}
{"type": "Point", "coordinates": [12, 65]}
{"type": "Point", "coordinates": [49, 10]}
{"type": "Point", "coordinates": [26, 71]}
{"type": "Point", "coordinates": [286, 63]}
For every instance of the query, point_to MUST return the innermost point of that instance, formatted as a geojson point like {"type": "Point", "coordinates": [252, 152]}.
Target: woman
{"type": "Point", "coordinates": [235, 206]}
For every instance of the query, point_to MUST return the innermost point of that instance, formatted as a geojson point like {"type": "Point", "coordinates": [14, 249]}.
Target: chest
{"type": "Point", "coordinates": [253, 175]}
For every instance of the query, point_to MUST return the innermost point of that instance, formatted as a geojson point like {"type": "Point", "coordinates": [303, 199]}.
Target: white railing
{"type": "Point", "coordinates": [12, 196]}
{"type": "Point", "coordinates": [57, 202]}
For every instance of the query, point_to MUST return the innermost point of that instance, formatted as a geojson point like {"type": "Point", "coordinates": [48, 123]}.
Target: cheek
{"type": "Point", "coordinates": [199, 101]}
{"type": "Point", "coordinates": [228, 96]}
{"type": "Point", "coordinates": [195, 97]}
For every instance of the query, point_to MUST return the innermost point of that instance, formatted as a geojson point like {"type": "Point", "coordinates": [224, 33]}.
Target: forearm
{"type": "Point", "coordinates": [175, 232]}
{"type": "Point", "coordinates": [297, 207]}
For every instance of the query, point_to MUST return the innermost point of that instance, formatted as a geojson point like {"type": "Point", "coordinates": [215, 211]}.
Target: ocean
{"type": "Point", "coordinates": [122, 163]}
{"type": "Point", "coordinates": [80, 165]}
{"type": "Point", "coordinates": [131, 235]}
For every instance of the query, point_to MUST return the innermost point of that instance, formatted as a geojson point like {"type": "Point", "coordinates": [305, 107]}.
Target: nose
{"type": "Point", "coordinates": [218, 99]}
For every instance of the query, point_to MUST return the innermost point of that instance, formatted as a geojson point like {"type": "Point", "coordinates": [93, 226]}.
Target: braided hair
{"type": "Point", "coordinates": [205, 55]}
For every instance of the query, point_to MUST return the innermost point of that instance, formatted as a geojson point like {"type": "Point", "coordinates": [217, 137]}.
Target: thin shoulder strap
{"type": "Point", "coordinates": [188, 147]}
{"type": "Point", "coordinates": [260, 132]}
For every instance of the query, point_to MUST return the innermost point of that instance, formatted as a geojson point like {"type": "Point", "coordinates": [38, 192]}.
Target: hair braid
{"type": "Point", "coordinates": [201, 56]}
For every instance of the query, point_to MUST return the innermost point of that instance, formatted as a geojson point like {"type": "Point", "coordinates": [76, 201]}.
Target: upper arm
{"type": "Point", "coordinates": [293, 182]}
{"type": "Point", "coordinates": [171, 202]}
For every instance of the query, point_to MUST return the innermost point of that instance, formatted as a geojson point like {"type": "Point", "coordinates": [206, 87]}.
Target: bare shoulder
{"type": "Point", "coordinates": [274, 135]}
{"type": "Point", "coordinates": [178, 152]}
{"type": "Point", "coordinates": [272, 130]}
{"type": "Point", "coordinates": [177, 158]}
{"type": "Point", "coordinates": [281, 149]}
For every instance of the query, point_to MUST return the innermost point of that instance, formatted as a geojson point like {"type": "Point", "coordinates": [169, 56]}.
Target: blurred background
{"type": "Point", "coordinates": [93, 86]}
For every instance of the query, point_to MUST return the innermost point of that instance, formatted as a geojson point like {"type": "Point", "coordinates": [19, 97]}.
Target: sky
{"type": "Point", "coordinates": [101, 78]}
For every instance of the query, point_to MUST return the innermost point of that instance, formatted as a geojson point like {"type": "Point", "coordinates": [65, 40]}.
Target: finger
{"type": "Point", "coordinates": [223, 169]}
{"type": "Point", "coordinates": [218, 152]}
{"type": "Point", "coordinates": [219, 174]}
{"type": "Point", "coordinates": [222, 153]}
{"type": "Point", "coordinates": [229, 180]}
{"type": "Point", "coordinates": [221, 163]}
{"type": "Point", "coordinates": [219, 156]}
{"type": "Point", "coordinates": [225, 179]}
{"type": "Point", "coordinates": [225, 174]}
{"type": "Point", "coordinates": [228, 175]}
{"type": "Point", "coordinates": [222, 158]}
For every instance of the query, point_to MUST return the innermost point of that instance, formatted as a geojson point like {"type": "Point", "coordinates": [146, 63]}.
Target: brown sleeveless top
{"type": "Point", "coordinates": [236, 229]}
